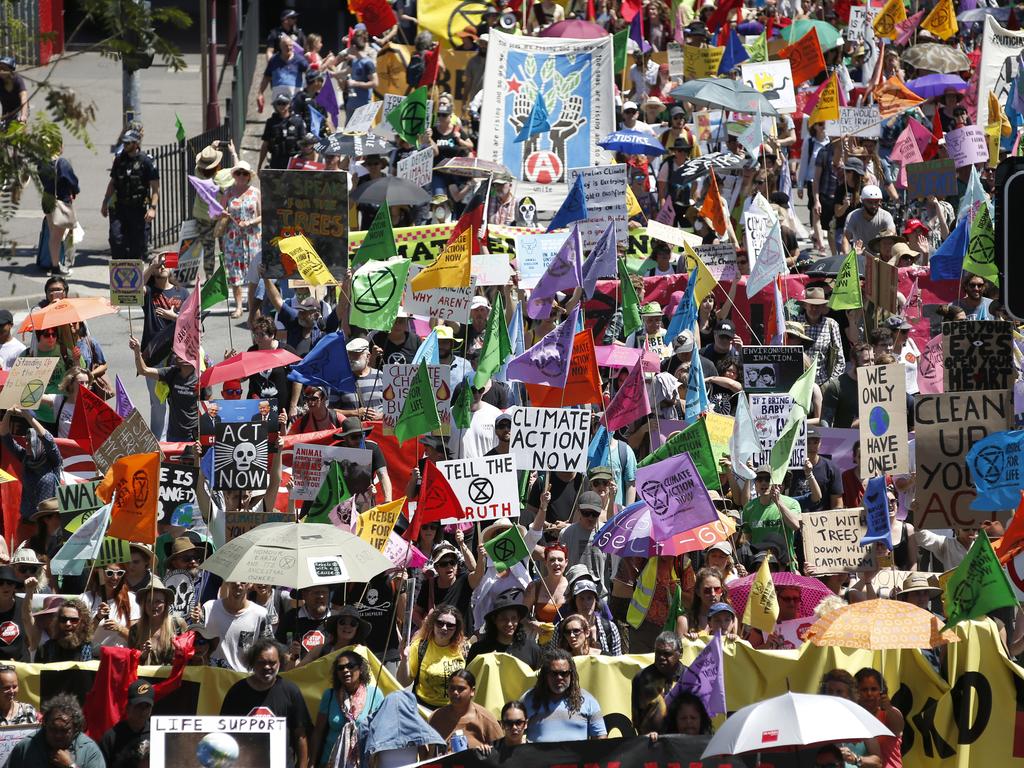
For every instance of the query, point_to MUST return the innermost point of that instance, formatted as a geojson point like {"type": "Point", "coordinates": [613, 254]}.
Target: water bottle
{"type": "Point", "coordinates": [458, 742]}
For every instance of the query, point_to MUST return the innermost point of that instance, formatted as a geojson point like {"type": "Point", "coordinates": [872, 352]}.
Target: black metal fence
{"type": "Point", "coordinates": [248, 54]}
{"type": "Point", "coordinates": [175, 162]}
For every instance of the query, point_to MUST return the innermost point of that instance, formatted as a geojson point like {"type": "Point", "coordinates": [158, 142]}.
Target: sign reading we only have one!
{"type": "Point", "coordinates": [884, 442]}
{"type": "Point", "coordinates": [550, 439]}
{"type": "Point", "coordinates": [487, 487]}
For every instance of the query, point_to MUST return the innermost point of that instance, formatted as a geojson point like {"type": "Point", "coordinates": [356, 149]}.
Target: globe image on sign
{"type": "Point", "coordinates": [217, 750]}
{"type": "Point", "coordinates": [878, 421]}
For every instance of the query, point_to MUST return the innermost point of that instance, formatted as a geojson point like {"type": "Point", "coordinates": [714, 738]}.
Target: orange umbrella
{"type": "Point", "coordinates": [877, 625]}
{"type": "Point", "coordinates": [67, 311]}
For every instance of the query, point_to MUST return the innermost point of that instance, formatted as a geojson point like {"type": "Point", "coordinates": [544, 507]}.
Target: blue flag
{"type": "Point", "coordinates": [601, 262]}
{"type": "Point", "coordinates": [995, 463]}
{"type": "Point", "coordinates": [876, 510]}
{"type": "Point", "coordinates": [326, 365]}
{"type": "Point", "coordinates": [734, 54]}
{"type": "Point", "coordinates": [597, 453]}
{"type": "Point", "coordinates": [537, 122]}
{"type": "Point", "coordinates": [316, 121]}
{"type": "Point", "coordinates": [696, 391]}
{"type": "Point", "coordinates": [948, 260]}
{"type": "Point", "coordinates": [574, 207]}
{"type": "Point", "coordinates": [972, 197]}
{"type": "Point", "coordinates": [686, 311]}
{"type": "Point", "coordinates": [428, 352]}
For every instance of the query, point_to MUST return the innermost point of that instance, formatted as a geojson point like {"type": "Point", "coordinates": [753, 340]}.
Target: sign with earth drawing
{"type": "Point", "coordinates": [884, 444]}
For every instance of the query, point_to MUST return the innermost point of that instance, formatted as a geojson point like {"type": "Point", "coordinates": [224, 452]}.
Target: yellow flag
{"type": "Point", "coordinates": [892, 14]}
{"type": "Point", "coordinates": [827, 107]}
{"type": "Point", "coordinates": [451, 268]}
{"type": "Point", "coordinates": [375, 524]}
{"type": "Point", "coordinates": [941, 22]}
{"type": "Point", "coordinates": [632, 204]}
{"type": "Point", "coordinates": [705, 280]}
{"type": "Point", "coordinates": [995, 108]}
{"type": "Point", "coordinates": [6, 477]}
{"type": "Point", "coordinates": [307, 260]}
{"type": "Point", "coordinates": [762, 609]}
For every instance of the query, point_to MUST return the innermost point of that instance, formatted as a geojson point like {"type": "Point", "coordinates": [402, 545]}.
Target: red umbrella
{"type": "Point", "coordinates": [246, 364]}
{"type": "Point", "coordinates": [812, 591]}
{"type": "Point", "coordinates": [576, 29]}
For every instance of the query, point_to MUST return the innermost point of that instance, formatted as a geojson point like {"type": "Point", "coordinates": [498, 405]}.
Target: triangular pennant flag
{"type": "Point", "coordinates": [846, 293]}
{"type": "Point", "coordinates": [409, 118]}
{"type": "Point", "coordinates": [333, 491]}
{"type": "Point", "coordinates": [696, 392]}
{"type": "Point", "coordinates": [379, 242]}
{"type": "Point", "coordinates": [941, 22]}
{"type": "Point", "coordinates": [136, 479]}
{"type": "Point", "coordinates": [547, 361]}
{"type": "Point", "coordinates": [801, 393]}
{"type": "Point", "coordinates": [582, 387]}
{"type": "Point", "coordinates": [215, 289]}
{"type": "Point", "coordinates": [827, 106]}
{"type": "Point", "coordinates": [573, 208]}
{"type": "Point", "coordinates": [451, 268]}
{"type": "Point", "coordinates": [762, 609]}
{"type": "Point", "coordinates": [892, 13]}
{"type": "Point", "coordinates": [712, 208]}
{"type": "Point", "coordinates": [375, 525]}
{"type": "Point", "coordinates": [972, 197]}
{"type": "Point", "coordinates": [685, 316]}
{"type": "Point", "coordinates": [537, 122]}
{"type": "Point", "coordinates": [893, 96]}
{"type": "Point", "coordinates": [752, 138]}
{"type": "Point", "coordinates": [876, 509]}
{"type": "Point", "coordinates": [636, 33]}
{"type": "Point", "coordinates": [630, 401]}
{"type": "Point", "coordinates": [122, 402]}
{"type": "Point", "coordinates": [744, 442]}
{"type": "Point", "coordinates": [186, 330]}
{"type": "Point", "coordinates": [179, 129]}
{"type": "Point", "coordinates": [326, 365]}
{"type": "Point", "coordinates": [428, 351]}
{"type": "Point", "coordinates": [771, 262]}
{"type": "Point", "coordinates": [805, 57]}
{"type": "Point", "coordinates": [758, 49]}
{"type": "Point", "coordinates": [977, 586]}
{"type": "Point", "coordinates": [630, 302]}
{"type": "Point", "coordinates": [564, 273]}
{"type": "Point", "coordinates": [207, 191]}
{"type": "Point", "coordinates": [507, 548]}
{"type": "Point", "coordinates": [981, 248]}
{"type": "Point", "coordinates": [775, 321]}
{"type": "Point", "coordinates": [620, 42]}
{"type": "Point", "coordinates": [377, 293]}
{"type": "Point", "coordinates": [948, 260]}
{"type": "Point", "coordinates": [706, 281]}
{"type": "Point", "coordinates": [905, 29]}
{"type": "Point", "coordinates": [437, 501]}
{"type": "Point", "coordinates": [497, 344]}
{"type": "Point", "coordinates": [419, 412]}
{"type": "Point", "coordinates": [83, 545]}
{"type": "Point", "coordinates": [93, 420]}
{"type": "Point", "coordinates": [462, 414]}
{"type": "Point", "coordinates": [473, 220]}
{"type": "Point", "coordinates": [735, 54]}
{"type": "Point", "coordinates": [601, 262]}
{"type": "Point", "coordinates": [705, 677]}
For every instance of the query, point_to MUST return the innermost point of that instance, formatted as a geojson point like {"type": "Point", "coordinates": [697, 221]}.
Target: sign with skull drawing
{"type": "Point", "coordinates": [240, 458]}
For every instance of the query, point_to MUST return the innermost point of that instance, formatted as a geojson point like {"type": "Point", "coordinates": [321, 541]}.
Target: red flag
{"type": "Point", "coordinates": [184, 650]}
{"type": "Point", "coordinates": [1013, 539]}
{"type": "Point", "coordinates": [721, 14]}
{"type": "Point", "coordinates": [591, 11]}
{"type": "Point", "coordinates": [937, 133]}
{"type": "Point", "coordinates": [437, 501]}
{"type": "Point", "coordinates": [93, 420]}
{"type": "Point", "coordinates": [186, 331]}
{"type": "Point", "coordinates": [805, 57]}
{"type": "Point", "coordinates": [473, 217]}
{"type": "Point", "coordinates": [630, 8]}
{"type": "Point", "coordinates": [106, 700]}
{"type": "Point", "coordinates": [712, 208]}
{"type": "Point", "coordinates": [582, 387]}
{"type": "Point", "coordinates": [431, 63]}
{"type": "Point", "coordinates": [377, 15]}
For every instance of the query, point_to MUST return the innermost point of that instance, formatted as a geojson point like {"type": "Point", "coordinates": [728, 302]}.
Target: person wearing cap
{"type": "Point", "coordinates": [367, 402]}
{"type": "Point", "coordinates": [630, 117]}
{"type": "Point", "coordinates": [302, 628]}
{"type": "Point", "coordinates": [583, 601]}
{"type": "Point", "coordinates": [579, 537]}
{"type": "Point", "coordinates": [868, 221]}
{"type": "Point", "coordinates": [446, 585]}
{"type": "Point", "coordinates": [905, 349]}
{"type": "Point", "coordinates": [303, 319]}
{"type": "Point", "coordinates": [824, 471]}
{"type": "Point", "coordinates": [826, 338]}
{"type": "Point", "coordinates": [281, 134]}
{"type": "Point", "coordinates": [696, 33]}
{"type": "Point", "coordinates": [829, 183]}
{"type": "Point", "coordinates": [289, 27]}
{"type": "Point", "coordinates": [133, 726]}
{"type": "Point", "coordinates": [448, 142]}
{"type": "Point", "coordinates": [769, 513]}
{"type": "Point", "coordinates": [284, 72]}
{"type": "Point", "coordinates": [302, 103]}
{"type": "Point", "coordinates": [306, 159]}
{"type": "Point", "coordinates": [10, 346]}
{"type": "Point", "coordinates": [722, 345]}
{"type": "Point", "coordinates": [720, 554]}
{"type": "Point", "coordinates": [130, 199]}
{"type": "Point", "coordinates": [839, 396]}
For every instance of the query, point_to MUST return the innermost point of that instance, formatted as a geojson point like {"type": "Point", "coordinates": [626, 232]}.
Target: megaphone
{"type": "Point", "coordinates": [507, 21]}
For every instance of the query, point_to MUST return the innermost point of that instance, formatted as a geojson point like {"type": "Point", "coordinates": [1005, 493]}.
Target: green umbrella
{"type": "Point", "coordinates": [828, 36]}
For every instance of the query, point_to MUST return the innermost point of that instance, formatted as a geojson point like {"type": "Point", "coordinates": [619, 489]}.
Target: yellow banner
{"type": "Point", "coordinates": [701, 62]}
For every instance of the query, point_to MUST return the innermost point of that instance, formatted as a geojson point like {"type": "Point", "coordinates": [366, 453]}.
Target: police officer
{"type": "Point", "coordinates": [289, 26]}
{"type": "Point", "coordinates": [305, 100]}
{"type": "Point", "coordinates": [131, 199]}
{"type": "Point", "coordinates": [281, 134]}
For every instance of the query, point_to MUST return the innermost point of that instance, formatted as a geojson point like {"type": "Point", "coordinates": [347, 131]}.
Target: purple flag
{"type": "Point", "coordinates": [328, 99]}
{"type": "Point", "coordinates": [564, 273]}
{"type": "Point", "coordinates": [601, 262]}
{"type": "Point", "coordinates": [630, 402]}
{"type": "Point", "coordinates": [207, 191]}
{"type": "Point", "coordinates": [547, 361]}
{"type": "Point", "coordinates": [705, 678]}
{"type": "Point", "coordinates": [123, 404]}
{"type": "Point", "coordinates": [676, 494]}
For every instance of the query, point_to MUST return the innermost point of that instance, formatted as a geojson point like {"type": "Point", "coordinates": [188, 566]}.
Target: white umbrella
{"type": "Point", "coordinates": [297, 555]}
{"type": "Point", "coordinates": [794, 720]}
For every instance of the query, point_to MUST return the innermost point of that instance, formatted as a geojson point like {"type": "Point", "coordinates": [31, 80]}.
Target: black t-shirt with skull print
{"type": "Point", "coordinates": [376, 604]}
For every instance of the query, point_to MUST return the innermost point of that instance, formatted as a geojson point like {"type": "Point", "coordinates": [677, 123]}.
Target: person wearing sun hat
{"type": "Point", "coordinates": [504, 631]}
{"type": "Point", "coordinates": [653, 333]}
{"type": "Point", "coordinates": [905, 349]}
{"type": "Point", "coordinates": [826, 338]}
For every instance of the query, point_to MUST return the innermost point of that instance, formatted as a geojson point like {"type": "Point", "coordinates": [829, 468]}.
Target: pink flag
{"type": "Point", "coordinates": [913, 310]}
{"type": "Point", "coordinates": [923, 135]}
{"type": "Point", "coordinates": [630, 402]}
{"type": "Point", "coordinates": [186, 331]}
{"type": "Point", "coordinates": [905, 28]}
{"type": "Point", "coordinates": [667, 214]}
{"type": "Point", "coordinates": [906, 150]}
{"type": "Point", "coordinates": [930, 368]}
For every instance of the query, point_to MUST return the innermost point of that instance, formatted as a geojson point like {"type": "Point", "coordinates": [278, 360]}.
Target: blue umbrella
{"type": "Point", "coordinates": [631, 142]}
{"type": "Point", "coordinates": [979, 14]}
{"type": "Point", "coordinates": [933, 86]}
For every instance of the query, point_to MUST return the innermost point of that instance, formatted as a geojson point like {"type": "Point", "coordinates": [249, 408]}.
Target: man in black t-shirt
{"type": "Point", "coordinates": [183, 384]}
{"type": "Point", "coordinates": [721, 347]}
{"type": "Point", "coordinates": [565, 488]}
{"type": "Point", "coordinates": [289, 26]}
{"type": "Point", "coordinates": [12, 637]}
{"type": "Point", "coordinates": [398, 345]}
{"type": "Point", "coordinates": [302, 628]}
{"type": "Point", "coordinates": [133, 727]}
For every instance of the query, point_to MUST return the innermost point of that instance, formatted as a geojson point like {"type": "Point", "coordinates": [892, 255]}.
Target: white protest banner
{"type": "Point", "coordinates": [855, 29]}
{"type": "Point", "coordinates": [417, 167]}
{"type": "Point", "coordinates": [253, 741]}
{"type": "Point", "coordinates": [10, 735]}
{"type": "Point", "coordinates": [967, 145]}
{"type": "Point", "coordinates": [831, 540]}
{"type": "Point", "coordinates": [442, 303]}
{"type": "Point", "coordinates": [999, 50]}
{"type": "Point", "coordinates": [756, 228]}
{"type": "Point", "coordinates": [396, 378]}
{"type": "Point", "coordinates": [775, 80]}
{"type": "Point", "coordinates": [671, 235]}
{"type": "Point", "coordinates": [946, 426]}
{"type": "Point", "coordinates": [27, 381]}
{"type": "Point", "coordinates": [129, 437]}
{"type": "Point", "coordinates": [491, 269]}
{"type": "Point", "coordinates": [190, 253]}
{"type": "Point", "coordinates": [675, 61]}
{"type": "Point", "coordinates": [310, 461]}
{"type": "Point", "coordinates": [362, 119]}
{"type": "Point", "coordinates": [769, 413]}
{"type": "Point", "coordinates": [487, 487]}
{"type": "Point", "coordinates": [793, 632]}
{"type": "Point", "coordinates": [553, 439]}
{"type": "Point", "coordinates": [863, 122]}
{"type": "Point", "coordinates": [533, 254]}
{"type": "Point", "coordinates": [605, 188]}
{"type": "Point", "coordinates": [884, 442]}
{"type": "Point", "coordinates": [126, 288]}
{"type": "Point", "coordinates": [720, 259]}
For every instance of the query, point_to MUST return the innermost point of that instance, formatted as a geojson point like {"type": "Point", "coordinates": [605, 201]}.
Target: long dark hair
{"type": "Point", "coordinates": [677, 704]}
{"type": "Point", "coordinates": [351, 656]}
{"type": "Point", "coordinates": [542, 693]}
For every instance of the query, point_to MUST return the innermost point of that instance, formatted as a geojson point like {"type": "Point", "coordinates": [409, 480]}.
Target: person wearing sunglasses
{"type": "Point", "coordinates": [350, 701]}
{"type": "Point", "coordinates": [434, 653]}
{"type": "Point", "coordinates": [72, 634]}
{"type": "Point", "coordinates": [302, 628]}
{"type": "Point", "coordinates": [578, 537]}
{"type": "Point", "coordinates": [557, 708]}
{"type": "Point", "coordinates": [112, 605]}
{"type": "Point", "coordinates": [449, 583]}
{"type": "Point", "coordinates": [461, 713]}
{"type": "Point", "coordinates": [344, 628]}
{"type": "Point", "coordinates": [513, 726]}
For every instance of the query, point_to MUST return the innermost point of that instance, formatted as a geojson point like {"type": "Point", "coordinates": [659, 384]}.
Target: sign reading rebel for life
{"type": "Point", "coordinates": [552, 439]}
{"type": "Point", "coordinates": [770, 413]}
{"type": "Point", "coordinates": [884, 443]}
{"type": "Point", "coordinates": [487, 487]}
{"type": "Point", "coordinates": [240, 458]}
{"type": "Point", "coordinates": [977, 354]}
{"type": "Point", "coordinates": [396, 380]}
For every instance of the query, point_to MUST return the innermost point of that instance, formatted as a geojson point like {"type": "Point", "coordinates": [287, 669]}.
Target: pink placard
{"type": "Point", "coordinates": [967, 145]}
{"type": "Point", "coordinates": [619, 356]}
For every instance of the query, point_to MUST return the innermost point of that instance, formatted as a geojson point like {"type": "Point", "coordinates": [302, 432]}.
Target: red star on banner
{"type": "Point", "coordinates": [513, 84]}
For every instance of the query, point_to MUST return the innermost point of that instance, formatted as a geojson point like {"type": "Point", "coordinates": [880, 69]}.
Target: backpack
{"type": "Point", "coordinates": [414, 70]}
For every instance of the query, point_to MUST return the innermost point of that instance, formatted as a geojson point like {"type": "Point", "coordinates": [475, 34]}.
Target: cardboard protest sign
{"type": "Point", "coordinates": [771, 369]}
{"type": "Point", "coordinates": [881, 280]}
{"type": "Point", "coordinates": [310, 203]}
{"type": "Point", "coordinates": [967, 145]}
{"type": "Point", "coordinates": [309, 465]}
{"type": "Point", "coordinates": [417, 167]}
{"type": "Point", "coordinates": [240, 458]}
{"type": "Point", "coordinates": [552, 439]}
{"type": "Point", "coordinates": [884, 443]}
{"type": "Point", "coordinates": [832, 542]}
{"type": "Point", "coordinates": [675, 60]}
{"type": "Point", "coordinates": [487, 487]}
{"type": "Point", "coordinates": [126, 287]}
{"type": "Point", "coordinates": [930, 374]}
{"type": "Point", "coordinates": [977, 354]}
{"type": "Point", "coordinates": [362, 119]}
{"type": "Point", "coordinates": [177, 488]}
{"type": "Point", "coordinates": [242, 521]}
{"type": "Point", "coordinates": [258, 740]}
{"type": "Point", "coordinates": [605, 188]}
{"type": "Point", "coordinates": [26, 382]}
{"type": "Point", "coordinates": [775, 80]}
{"type": "Point", "coordinates": [131, 436]}
{"type": "Point", "coordinates": [491, 269]}
{"type": "Point", "coordinates": [862, 122]}
{"type": "Point", "coordinates": [946, 426]}
{"type": "Point", "coordinates": [935, 177]}
{"type": "Point", "coordinates": [77, 501]}
{"type": "Point", "coordinates": [396, 380]}
{"type": "Point", "coordinates": [190, 254]}
{"type": "Point", "coordinates": [441, 303]}
{"type": "Point", "coordinates": [720, 259]}
{"type": "Point", "coordinates": [770, 413]}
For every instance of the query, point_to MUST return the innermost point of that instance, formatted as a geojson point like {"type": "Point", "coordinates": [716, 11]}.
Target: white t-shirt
{"type": "Point", "coordinates": [909, 356]}
{"type": "Point", "coordinates": [478, 438]}
{"type": "Point", "coordinates": [106, 636]}
{"type": "Point", "coordinates": [9, 352]}
{"type": "Point", "coordinates": [237, 632]}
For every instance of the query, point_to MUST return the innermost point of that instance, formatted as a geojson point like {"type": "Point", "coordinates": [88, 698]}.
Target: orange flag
{"type": "Point", "coordinates": [892, 97]}
{"type": "Point", "coordinates": [712, 208]}
{"type": "Point", "coordinates": [136, 479]}
{"type": "Point", "coordinates": [583, 386]}
{"type": "Point", "coordinates": [1012, 541]}
{"type": "Point", "coordinates": [805, 58]}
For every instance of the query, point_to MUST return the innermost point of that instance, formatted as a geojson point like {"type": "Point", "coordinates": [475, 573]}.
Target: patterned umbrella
{"type": "Point", "coordinates": [577, 29]}
{"type": "Point", "coordinates": [628, 534]}
{"type": "Point", "coordinates": [812, 591]}
{"type": "Point", "coordinates": [935, 57]}
{"type": "Point", "coordinates": [933, 86]}
{"type": "Point", "coordinates": [1002, 15]}
{"type": "Point", "coordinates": [877, 625]}
{"type": "Point", "coordinates": [473, 167]}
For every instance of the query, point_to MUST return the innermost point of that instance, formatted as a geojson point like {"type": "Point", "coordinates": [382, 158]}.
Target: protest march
{"type": "Point", "coordinates": [533, 373]}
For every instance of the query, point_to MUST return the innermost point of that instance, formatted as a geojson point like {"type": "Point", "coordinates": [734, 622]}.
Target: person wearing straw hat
{"type": "Point", "coordinates": [826, 339]}
{"type": "Point", "coordinates": [882, 244]}
{"type": "Point", "coordinates": [157, 626]}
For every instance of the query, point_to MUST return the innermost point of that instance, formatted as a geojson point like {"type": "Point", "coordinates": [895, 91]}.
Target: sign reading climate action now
{"type": "Point", "coordinates": [487, 487]}
{"type": "Point", "coordinates": [552, 439]}
{"type": "Point", "coordinates": [310, 203]}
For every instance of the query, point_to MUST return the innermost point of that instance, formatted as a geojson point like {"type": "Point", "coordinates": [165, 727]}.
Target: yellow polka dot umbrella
{"type": "Point", "coordinates": [877, 625]}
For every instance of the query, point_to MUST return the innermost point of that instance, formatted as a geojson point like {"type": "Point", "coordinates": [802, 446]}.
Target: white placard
{"type": "Point", "coordinates": [442, 303]}
{"type": "Point", "coordinates": [309, 464]}
{"type": "Point", "coordinates": [255, 741]}
{"type": "Point", "coordinates": [487, 487]}
{"type": "Point", "coordinates": [775, 80]}
{"type": "Point", "coordinates": [396, 379]}
{"type": "Point", "coordinates": [491, 268]}
{"type": "Point", "coordinates": [756, 227]}
{"type": "Point", "coordinates": [675, 60]}
{"type": "Point", "coordinates": [190, 253]}
{"type": "Point", "coordinates": [417, 167]}
{"type": "Point", "coordinates": [362, 119]}
{"type": "Point", "coordinates": [11, 735]}
{"type": "Point", "coordinates": [862, 122]}
{"type": "Point", "coordinates": [605, 188]}
{"type": "Point", "coordinates": [769, 413]}
{"type": "Point", "coordinates": [720, 259]}
{"type": "Point", "coordinates": [534, 253]}
{"type": "Point", "coordinates": [553, 439]}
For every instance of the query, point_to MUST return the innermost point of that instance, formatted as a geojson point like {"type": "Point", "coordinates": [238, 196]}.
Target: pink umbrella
{"type": "Point", "coordinates": [576, 29]}
{"type": "Point", "coordinates": [246, 364]}
{"type": "Point", "coordinates": [812, 591]}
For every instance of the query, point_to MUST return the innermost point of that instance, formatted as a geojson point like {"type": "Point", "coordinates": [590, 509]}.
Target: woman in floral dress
{"type": "Point", "coordinates": [242, 235]}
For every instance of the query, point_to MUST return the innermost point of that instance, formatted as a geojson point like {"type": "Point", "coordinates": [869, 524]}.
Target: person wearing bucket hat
{"type": "Point", "coordinates": [653, 333]}
{"type": "Point", "coordinates": [157, 626]}
{"type": "Point", "coordinates": [354, 435]}
{"type": "Point", "coordinates": [446, 584]}
{"type": "Point", "coordinates": [826, 338]}
{"type": "Point", "coordinates": [504, 631]}
{"type": "Point", "coordinates": [918, 590]}
{"type": "Point", "coordinates": [868, 221]}
{"type": "Point", "coordinates": [882, 244]}
{"type": "Point", "coordinates": [583, 601]}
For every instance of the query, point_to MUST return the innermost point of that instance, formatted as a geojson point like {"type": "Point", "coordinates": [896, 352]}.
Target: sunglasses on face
{"type": "Point", "coordinates": [47, 335]}
{"type": "Point", "coordinates": [514, 723]}
{"type": "Point", "coordinates": [114, 573]}
{"type": "Point", "coordinates": [559, 672]}
{"type": "Point", "coordinates": [348, 622]}
{"type": "Point", "coordinates": [591, 513]}
{"type": "Point", "coordinates": [232, 391]}
{"type": "Point", "coordinates": [573, 631]}
{"type": "Point", "coordinates": [30, 569]}
{"type": "Point", "coordinates": [68, 620]}
{"type": "Point", "coordinates": [350, 666]}
{"type": "Point", "coordinates": [445, 626]}
{"type": "Point", "coordinates": [448, 564]}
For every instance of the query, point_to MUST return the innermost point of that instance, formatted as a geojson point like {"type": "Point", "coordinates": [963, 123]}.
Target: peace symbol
{"type": "Point", "coordinates": [32, 393]}
{"type": "Point", "coordinates": [481, 490]}
{"type": "Point", "coordinates": [414, 119]}
{"type": "Point", "coordinates": [468, 14]}
{"type": "Point", "coordinates": [380, 287]}
{"type": "Point", "coordinates": [504, 550]}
